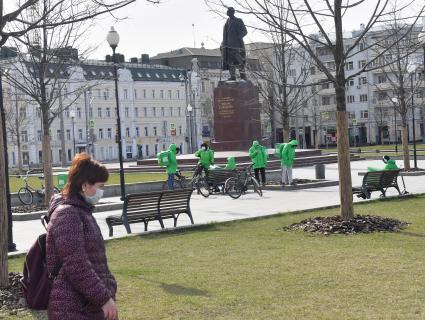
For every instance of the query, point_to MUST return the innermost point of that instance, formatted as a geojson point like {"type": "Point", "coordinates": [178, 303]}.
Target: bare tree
{"type": "Point", "coordinates": [392, 81]}
{"type": "Point", "coordinates": [305, 17]}
{"type": "Point", "coordinates": [16, 119]}
{"type": "Point", "coordinates": [15, 24]}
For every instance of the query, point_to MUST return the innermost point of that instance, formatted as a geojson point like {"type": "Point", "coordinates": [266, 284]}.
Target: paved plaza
{"type": "Point", "coordinates": [218, 208]}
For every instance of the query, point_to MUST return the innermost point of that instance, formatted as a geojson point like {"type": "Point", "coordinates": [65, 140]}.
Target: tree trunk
{"type": "Point", "coordinates": [316, 139]}
{"type": "Point", "coordinates": [405, 145]}
{"type": "Point", "coordinates": [47, 168]}
{"type": "Point", "coordinates": [4, 280]}
{"type": "Point", "coordinates": [62, 126]}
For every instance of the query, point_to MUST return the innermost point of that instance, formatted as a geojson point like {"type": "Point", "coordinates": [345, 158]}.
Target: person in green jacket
{"type": "Point", "coordinates": [389, 165]}
{"type": "Point", "coordinates": [171, 165]}
{"type": "Point", "coordinates": [287, 157]}
{"type": "Point", "coordinates": [206, 158]}
{"type": "Point", "coordinates": [259, 157]}
{"type": "Point", "coordinates": [231, 163]}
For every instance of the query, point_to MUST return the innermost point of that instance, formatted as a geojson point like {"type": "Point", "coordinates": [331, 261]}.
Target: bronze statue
{"type": "Point", "coordinates": [233, 48]}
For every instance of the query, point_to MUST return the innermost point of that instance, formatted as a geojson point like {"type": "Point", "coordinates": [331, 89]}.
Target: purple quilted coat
{"type": "Point", "coordinates": [84, 282]}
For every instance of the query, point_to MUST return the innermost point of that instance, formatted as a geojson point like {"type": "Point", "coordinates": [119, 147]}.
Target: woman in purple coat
{"type": "Point", "coordinates": [85, 288]}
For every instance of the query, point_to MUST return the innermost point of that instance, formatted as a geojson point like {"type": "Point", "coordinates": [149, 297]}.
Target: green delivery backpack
{"type": "Point", "coordinates": [162, 158]}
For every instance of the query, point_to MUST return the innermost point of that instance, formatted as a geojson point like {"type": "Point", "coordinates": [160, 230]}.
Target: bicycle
{"type": "Point", "coordinates": [25, 194]}
{"type": "Point", "coordinates": [236, 186]}
{"type": "Point", "coordinates": [197, 182]}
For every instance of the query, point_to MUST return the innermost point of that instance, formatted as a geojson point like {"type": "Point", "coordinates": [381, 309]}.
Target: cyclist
{"type": "Point", "coordinates": [206, 159]}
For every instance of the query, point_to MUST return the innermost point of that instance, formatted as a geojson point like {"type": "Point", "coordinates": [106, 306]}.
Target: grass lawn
{"type": "Point", "coordinates": [114, 178]}
{"type": "Point", "coordinates": [253, 270]}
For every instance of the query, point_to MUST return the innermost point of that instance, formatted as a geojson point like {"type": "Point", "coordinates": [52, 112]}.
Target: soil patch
{"type": "Point", "coordinates": [359, 224]}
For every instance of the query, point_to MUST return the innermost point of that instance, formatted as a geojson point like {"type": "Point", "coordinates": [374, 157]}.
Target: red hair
{"type": "Point", "coordinates": [84, 169]}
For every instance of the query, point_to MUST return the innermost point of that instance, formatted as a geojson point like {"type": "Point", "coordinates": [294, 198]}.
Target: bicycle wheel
{"type": "Point", "coordinates": [257, 187]}
{"type": "Point", "coordinates": [233, 187]}
{"type": "Point", "coordinates": [25, 196]}
{"type": "Point", "coordinates": [203, 187]}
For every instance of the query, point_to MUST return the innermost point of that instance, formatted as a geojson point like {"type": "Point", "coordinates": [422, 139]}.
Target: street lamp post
{"type": "Point", "coordinates": [395, 100]}
{"type": "Point", "coordinates": [72, 114]}
{"type": "Point", "coordinates": [113, 39]}
{"type": "Point", "coordinates": [189, 109]}
{"type": "Point", "coordinates": [87, 121]}
{"type": "Point", "coordinates": [11, 246]}
{"type": "Point", "coordinates": [411, 69]}
{"type": "Point", "coordinates": [421, 38]}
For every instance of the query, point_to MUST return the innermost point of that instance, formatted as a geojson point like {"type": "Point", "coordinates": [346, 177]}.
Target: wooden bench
{"type": "Point", "coordinates": [377, 181]}
{"type": "Point", "coordinates": [150, 206]}
{"type": "Point", "coordinates": [218, 177]}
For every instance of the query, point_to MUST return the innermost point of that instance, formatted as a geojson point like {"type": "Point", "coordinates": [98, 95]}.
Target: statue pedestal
{"type": "Point", "coordinates": [236, 116]}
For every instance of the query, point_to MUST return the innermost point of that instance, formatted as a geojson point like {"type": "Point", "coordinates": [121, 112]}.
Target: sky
{"type": "Point", "coordinates": [153, 29]}
{"type": "Point", "coordinates": [160, 28]}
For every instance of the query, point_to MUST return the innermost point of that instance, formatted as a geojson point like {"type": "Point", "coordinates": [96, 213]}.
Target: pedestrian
{"type": "Point", "coordinates": [259, 157]}
{"type": "Point", "coordinates": [231, 163]}
{"type": "Point", "coordinates": [287, 157]}
{"type": "Point", "coordinates": [84, 289]}
{"type": "Point", "coordinates": [390, 164]}
{"type": "Point", "coordinates": [171, 165]}
{"type": "Point", "coordinates": [206, 159]}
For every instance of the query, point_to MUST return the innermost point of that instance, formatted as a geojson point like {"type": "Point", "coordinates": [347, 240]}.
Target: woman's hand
{"type": "Point", "coordinates": [110, 310]}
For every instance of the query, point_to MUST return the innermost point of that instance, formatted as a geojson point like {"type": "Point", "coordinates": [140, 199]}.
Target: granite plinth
{"type": "Point", "coordinates": [236, 116]}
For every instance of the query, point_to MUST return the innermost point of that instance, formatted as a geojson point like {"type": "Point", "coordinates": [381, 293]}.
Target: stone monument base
{"type": "Point", "coordinates": [236, 116]}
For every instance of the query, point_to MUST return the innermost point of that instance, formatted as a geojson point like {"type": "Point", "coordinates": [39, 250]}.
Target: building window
{"type": "Point", "coordinates": [22, 113]}
{"type": "Point", "coordinates": [170, 95]}
{"type": "Point", "coordinates": [144, 93]}
{"type": "Point", "coordinates": [351, 82]}
{"type": "Point", "coordinates": [153, 94]}
{"type": "Point", "coordinates": [126, 112]}
{"type": "Point", "coordinates": [147, 150]}
{"type": "Point", "coordinates": [326, 100]}
{"type": "Point", "coordinates": [106, 94]}
{"type": "Point", "coordinates": [127, 132]}
{"type": "Point", "coordinates": [180, 130]}
{"type": "Point", "coordinates": [66, 113]}
{"type": "Point", "coordinates": [350, 99]}
{"type": "Point", "coordinates": [171, 111]}
{"type": "Point", "coordinates": [99, 112]}
{"type": "Point", "coordinates": [155, 133]}
{"type": "Point", "coordinates": [156, 148]}
{"type": "Point", "coordinates": [137, 132]}
{"type": "Point", "coordinates": [325, 85]}
{"type": "Point", "coordinates": [349, 65]}
{"type": "Point", "coordinates": [382, 79]}
{"type": "Point", "coordinates": [154, 111]}
{"type": "Point", "coordinates": [109, 133]}
{"type": "Point", "coordinates": [178, 94]}
{"type": "Point", "coordinates": [145, 111]}
{"type": "Point", "coordinates": [125, 94]}
{"type": "Point", "coordinates": [161, 94]}
{"type": "Point", "coordinates": [90, 112]}
{"type": "Point", "coordinates": [364, 114]}
{"type": "Point", "coordinates": [136, 112]}
{"type": "Point", "coordinates": [68, 134]}
{"type": "Point", "coordinates": [179, 109]}
{"type": "Point", "coordinates": [363, 97]}
{"type": "Point", "coordinates": [108, 112]}
{"type": "Point", "coordinates": [292, 73]}
{"type": "Point", "coordinates": [80, 134]}
{"type": "Point", "coordinates": [163, 111]}
{"type": "Point", "coordinates": [362, 64]}
{"type": "Point", "coordinates": [100, 133]}
{"type": "Point", "coordinates": [135, 94]}
{"type": "Point", "coordinates": [79, 112]}
{"type": "Point", "coordinates": [362, 80]}
{"type": "Point", "coordinates": [24, 136]}
{"type": "Point", "coordinates": [40, 136]}
{"type": "Point", "coordinates": [58, 134]}
{"type": "Point", "coordinates": [146, 131]}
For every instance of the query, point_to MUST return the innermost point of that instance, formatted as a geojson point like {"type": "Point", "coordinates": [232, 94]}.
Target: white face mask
{"type": "Point", "coordinates": [94, 199]}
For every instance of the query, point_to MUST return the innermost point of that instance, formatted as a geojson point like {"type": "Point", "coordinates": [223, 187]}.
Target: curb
{"type": "Point", "coordinates": [302, 186]}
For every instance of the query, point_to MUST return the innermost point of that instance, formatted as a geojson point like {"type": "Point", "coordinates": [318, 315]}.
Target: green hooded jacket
{"type": "Point", "coordinates": [231, 163]}
{"type": "Point", "coordinates": [390, 165]}
{"type": "Point", "coordinates": [172, 160]}
{"type": "Point", "coordinates": [258, 155]}
{"type": "Point", "coordinates": [206, 157]}
{"type": "Point", "coordinates": [287, 155]}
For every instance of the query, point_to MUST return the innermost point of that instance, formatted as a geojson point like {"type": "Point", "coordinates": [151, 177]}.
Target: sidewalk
{"type": "Point", "coordinates": [218, 208]}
